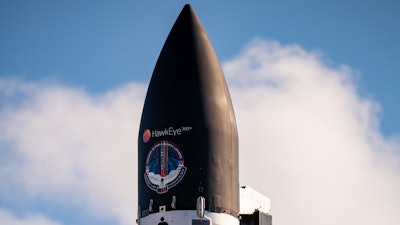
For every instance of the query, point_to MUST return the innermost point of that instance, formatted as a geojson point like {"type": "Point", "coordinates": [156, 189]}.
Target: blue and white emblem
{"type": "Point", "coordinates": [164, 166]}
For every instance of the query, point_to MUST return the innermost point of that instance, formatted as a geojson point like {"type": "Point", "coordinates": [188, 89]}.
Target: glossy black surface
{"type": "Point", "coordinates": [188, 110]}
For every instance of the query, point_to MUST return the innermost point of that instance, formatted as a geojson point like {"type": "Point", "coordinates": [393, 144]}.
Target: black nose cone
{"type": "Point", "coordinates": [188, 144]}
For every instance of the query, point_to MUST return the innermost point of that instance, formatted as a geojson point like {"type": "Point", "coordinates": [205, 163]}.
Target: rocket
{"type": "Point", "coordinates": [188, 168]}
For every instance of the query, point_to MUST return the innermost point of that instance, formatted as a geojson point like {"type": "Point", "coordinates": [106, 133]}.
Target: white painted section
{"type": "Point", "coordinates": [251, 200]}
{"type": "Point", "coordinates": [184, 217]}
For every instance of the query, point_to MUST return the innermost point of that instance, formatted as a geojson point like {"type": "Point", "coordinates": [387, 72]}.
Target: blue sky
{"type": "Point", "coordinates": [99, 45]}
{"type": "Point", "coordinates": [72, 73]}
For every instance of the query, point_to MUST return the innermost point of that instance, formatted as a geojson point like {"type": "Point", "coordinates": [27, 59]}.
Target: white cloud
{"type": "Point", "coordinates": [308, 141]}
{"type": "Point", "coordinates": [65, 146]}
{"type": "Point", "coordinates": [9, 219]}
{"type": "Point", "coordinates": [312, 140]}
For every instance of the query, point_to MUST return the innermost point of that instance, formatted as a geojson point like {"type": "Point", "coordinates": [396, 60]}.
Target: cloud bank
{"type": "Point", "coordinates": [9, 219]}
{"type": "Point", "coordinates": [308, 141]}
{"type": "Point", "coordinates": [63, 146]}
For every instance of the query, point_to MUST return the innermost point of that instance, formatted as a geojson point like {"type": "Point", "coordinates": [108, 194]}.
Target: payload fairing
{"type": "Point", "coordinates": [188, 142]}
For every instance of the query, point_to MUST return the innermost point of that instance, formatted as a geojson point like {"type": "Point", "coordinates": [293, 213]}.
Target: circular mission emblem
{"type": "Point", "coordinates": [164, 166]}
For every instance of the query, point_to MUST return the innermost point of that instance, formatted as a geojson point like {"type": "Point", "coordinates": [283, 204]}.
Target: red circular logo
{"type": "Point", "coordinates": [146, 135]}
